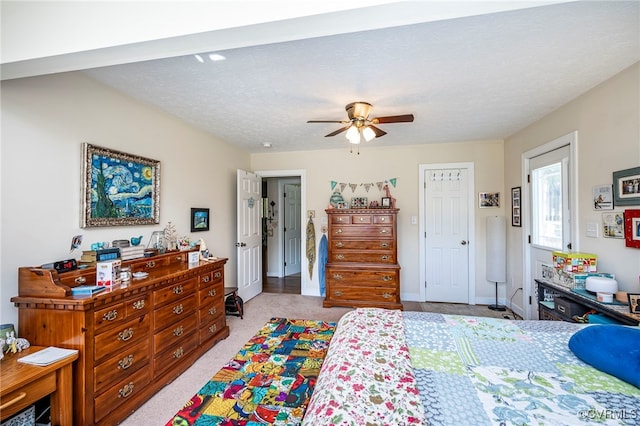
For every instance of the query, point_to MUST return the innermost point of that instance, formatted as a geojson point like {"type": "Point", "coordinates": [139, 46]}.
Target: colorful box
{"type": "Point", "coordinates": [575, 262]}
{"type": "Point", "coordinates": [108, 273]}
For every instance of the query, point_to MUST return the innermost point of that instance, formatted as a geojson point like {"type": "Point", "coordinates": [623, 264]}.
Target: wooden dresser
{"type": "Point", "coordinates": [132, 340]}
{"type": "Point", "coordinates": [362, 269]}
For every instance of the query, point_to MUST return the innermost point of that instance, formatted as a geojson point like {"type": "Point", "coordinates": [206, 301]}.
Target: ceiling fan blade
{"type": "Point", "coordinates": [327, 121]}
{"type": "Point", "coordinates": [337, 131]}
{"type": "Point", "coordinates": [377, 131]}
{"type": "Point", "coordinates": [405, 118]}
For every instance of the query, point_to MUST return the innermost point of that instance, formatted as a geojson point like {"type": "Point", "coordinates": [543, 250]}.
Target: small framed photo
{"type": "Point", "coordinates": [613, 225]}
{"type": "Point", "coordinates": [603, 197]}
{"type": "Point", "coordinates": [199, 219]}
{"type": "Point", "coordinates": [515, 206]}
{"type": "Point", "coordinates": [359, 203]}
{"type": "Point", "coordinates": [634, 302]}
{"type": "Point", "coordinates": [632, 228]}
{"type": "Point", "coordinates": [386, 202]}
{"type": "Point", "coordinates": [489, 200]}
{"type": "Point", "coordinates": [626, 187]}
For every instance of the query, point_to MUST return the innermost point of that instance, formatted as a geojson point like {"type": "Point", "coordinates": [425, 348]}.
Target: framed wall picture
{"type": "Point", "coordinates": [634, 302]}
{"type": "Point", "coordinates": [632, 228]}
{"type": "Point", "coordinates": [118, 189]}
{"type": "Point", "coordinates": [613, 225]}
{"type": "Point", "coordinates": [626, 187]}
{"type": "Point", "coordinates": [488, 200]}
{"type": "Point", "coordinates": [603, 197]}
{"type": "Point", "coordinates": [199, 219]}
{"type": "Point", "coordinates": [516, 206]}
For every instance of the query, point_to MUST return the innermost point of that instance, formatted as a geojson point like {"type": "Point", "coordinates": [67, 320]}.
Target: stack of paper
{"type": "Point", "coordinates": [47, 356]}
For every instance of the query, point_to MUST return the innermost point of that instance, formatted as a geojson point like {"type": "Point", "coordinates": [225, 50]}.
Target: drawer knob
{"type": "Point", "coordinates": [217, 274]}
{"type": "Point", "coordinates": [178, 309]}
{"type": "Point", "coordinates": [126, 390]}
{"type": "Point", "coordinates": [340, 219]}
{"type": "Point", "coordinates": [178, 258]}
{"type": "Point", "coordinates": [384, 245]}
{"type": "Point", "coordinates": [125, 334]}
{"type": "Point", "coordinates": [340, 256]}
{"type": "Point", "coordinates": [337, 277]}
{"type": "Point", "coordinates": [178, 331]}
{"type": "Point", "coordinates": [111, 315]}
{"type": "Point", "coordinates": [386, 278]}
{"type": "Point", "coordinates": [339, 244]}
{"type": "Point", "coordinates": [387, 296]}
{"type": "Point", "coordinates": [339, 231]}
{"type": "Point", "coordinates": [178, 289]}
{"type": "Point", "coordinates": [212, 292]}
{"type": "Point", "coordinates": [151, 264]}
{"type": "Point", "coordinates": [384, 257]}
{"type": "Point", "coordinates": [212, 311]}
{"type": "Point", "coordinates": [80, 280]}
{"type": "Point", "coordinates": [337, 293]}
{"type": "Point", "coordinates": [362, 219]}
{"type": "Point", "coordinates": [382, 219]}
{"type": "Point", "coordinates": [178, 353]}
{"type": "Point", "coordinates": [125, 362]}
{"type": "Point", "coordinates": [138, 304]}
{"type": "Point", "coordinates": [206, 279]}
{"type": "Point", "coordinates": [384, 231]}
{"type": "Point", "coordinates": [213, 328]}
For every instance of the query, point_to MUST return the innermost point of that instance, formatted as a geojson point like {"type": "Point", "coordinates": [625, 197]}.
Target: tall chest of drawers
{"type": "Point", "coordinates": [362, 268]}
{"type": "Point", "coordinates": [132, 340]}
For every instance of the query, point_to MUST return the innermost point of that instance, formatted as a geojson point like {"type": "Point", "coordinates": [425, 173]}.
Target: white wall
{"type": "Point", "coordinates": [44, 122]}
{"type": "Point", "coordinates": [378, 164]}
{"type": "Point", "coordinates": [607, 119]}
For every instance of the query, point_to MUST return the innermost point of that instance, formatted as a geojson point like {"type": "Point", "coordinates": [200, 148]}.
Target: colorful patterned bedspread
{"type": "Point", "coordinates": [269, 381]}
{"type": "Point", "coordinates": [469, 371]}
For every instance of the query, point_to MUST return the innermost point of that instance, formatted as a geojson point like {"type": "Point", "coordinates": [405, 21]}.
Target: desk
{"type": "Point", "coordinates": [22, 385]}
{"type": "Point", "coordinates": [233, 291]}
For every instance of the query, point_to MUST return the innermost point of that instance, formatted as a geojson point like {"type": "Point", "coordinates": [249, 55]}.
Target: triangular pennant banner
{"type": "Point", "coordinates": [379, 185]}
{"type": "Point", "coordinates": [393, 182]}
{"type": "Point", "coordinates": [353, 186]}
{"type": "Point", "coordinates": [342, 187]}
{"type": "Point", "coordinates": [367, 186]}
{"type": "Point", "coordinates": [333, 184]}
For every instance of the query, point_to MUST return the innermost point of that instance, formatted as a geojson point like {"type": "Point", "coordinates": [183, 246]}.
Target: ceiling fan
{"type": "Point", "coordinates": [360, 126]}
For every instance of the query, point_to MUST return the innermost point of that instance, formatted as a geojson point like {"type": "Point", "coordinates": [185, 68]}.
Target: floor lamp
{"type": "Point", "coordinates": [496, 254]}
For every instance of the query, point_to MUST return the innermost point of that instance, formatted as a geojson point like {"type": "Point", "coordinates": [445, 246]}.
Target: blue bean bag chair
{"type": "Point", "coordinates": [614, 349]}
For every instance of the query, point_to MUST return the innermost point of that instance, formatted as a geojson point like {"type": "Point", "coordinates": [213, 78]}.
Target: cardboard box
{"type": "Point", "coordinates": [575, 262]}
{"type": "Point", "coordinates": [108, 273]}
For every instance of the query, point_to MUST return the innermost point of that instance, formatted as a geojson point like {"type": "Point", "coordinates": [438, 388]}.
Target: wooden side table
{"type": "Point", "coordinates": [23, 384]}
{"type": "Point", "coordinates": [233, 291]}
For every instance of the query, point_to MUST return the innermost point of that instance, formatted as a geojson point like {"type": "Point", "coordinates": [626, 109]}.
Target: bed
{"type": "Point", "coordinates": [389, 367]}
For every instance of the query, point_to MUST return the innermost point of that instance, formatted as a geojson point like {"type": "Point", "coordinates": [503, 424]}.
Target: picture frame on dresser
{"type": "Point", "coordinates": [634, 302]}
{"type": "Point", "coordinates": [626, 187]}
{"type": "Point", "coordinates": [118, 189]}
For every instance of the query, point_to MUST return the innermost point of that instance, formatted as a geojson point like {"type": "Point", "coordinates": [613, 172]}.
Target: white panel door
{"type": "Point", "coordinates": [447, 235]}
{"type": "Point", "coordinates": [292, 229]}
{"type": "Point", "coordinates": [249, 233]}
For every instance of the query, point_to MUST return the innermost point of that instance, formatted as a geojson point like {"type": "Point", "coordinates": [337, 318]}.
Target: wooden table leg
{"type": "Point", "coordinates": [62, 398]}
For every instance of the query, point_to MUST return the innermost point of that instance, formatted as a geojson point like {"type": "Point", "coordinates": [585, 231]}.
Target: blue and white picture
{"type": "Point", "coordinates": [120, 188]}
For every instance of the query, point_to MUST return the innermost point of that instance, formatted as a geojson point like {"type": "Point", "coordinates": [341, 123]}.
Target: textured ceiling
{"type": "Point", "coordinates": [471, 78]}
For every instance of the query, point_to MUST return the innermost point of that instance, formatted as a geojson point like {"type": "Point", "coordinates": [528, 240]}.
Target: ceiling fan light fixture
{"type": "Point", "coordinates": [353, 135]}
{"type": "Point", "coordinates": [368, 133]}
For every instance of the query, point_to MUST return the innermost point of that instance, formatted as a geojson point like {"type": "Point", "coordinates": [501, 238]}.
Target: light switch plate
{"type": "Point", "coordinates": [592, 230]}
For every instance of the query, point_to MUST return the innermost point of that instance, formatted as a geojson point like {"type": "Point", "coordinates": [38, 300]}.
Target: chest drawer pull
{"type": "Point", "coordinates": [339, 231]}
{"type": "Point", "coordinates": [362, 219]}
{"type": "Point", "coordinates": [337, 277]}
{"type": "Point", "coordinates": [387, 296]}
{"type": "Point", "coordinates": [178, 289]}
{"type": "Point", "coordinates": [178, 353]}
{"type": "Point", "coordinates": [212, 292]}
{"type": "Point", "coordinates": [19, 397]}
{"type": "Point", "coordinates": [178, 259]}
{"type": "Point", "coordinates": [178, 309]}
{"type": "Point", "coordinates": [138, 304]}
{"type": "Point", "coordinates": [217, 274]}
{"type": "Point", "coordinates": [80, 280]}
{"type": "Point", "coordinates": [125, 362]}
{"type": "Point", "coordinates": [339, 244]}
{"type": "Point", "coordinates": [384, 245]}
{"type": "Point", "coordinates": [384, 257]}
{"type": "Point", "coordinates": [337, 293]}
{"type": "Point", "coordinates": [384, 231]}
{"type": "Point", "coordinates": [111, 315]}
{"type": "Point", "coordinates": [206, 279]}
{"type": "Point", "coordinates": [151, 264]}
{"type": "Point", "coordinates": [212, 311]}
{"type": "Point", "coordinates": [213, 328]}
{"type": "Point", "coordinates": [340, 256]}
{"type": "Point", "coordinates": [125, 334]}
{"type": "Point", "coordinates": [386, 278]}
{"type": "Point", "coordinates": [382, 219]}
{"type": "Point", "coordinates": [178, 331]}
{"type": "Point", "coordinates": [126, 390]}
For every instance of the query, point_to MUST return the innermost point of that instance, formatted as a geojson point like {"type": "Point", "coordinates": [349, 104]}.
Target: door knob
{"type": "Point", "coordinates": [241, 245]}
{"type": "Point", "coordinates": [463, 242]}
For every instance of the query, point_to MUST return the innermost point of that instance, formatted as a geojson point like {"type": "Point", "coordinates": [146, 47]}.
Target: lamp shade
{"type": "Point", "coordinates": [368, 133]}
{"type": "Point", "coordinates": [353, 134]}
{"type": "Point", "coordinates": [496, 249]}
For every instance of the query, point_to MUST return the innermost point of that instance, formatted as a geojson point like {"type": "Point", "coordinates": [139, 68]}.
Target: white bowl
{"type": "Point", "coordinates": [601, 285]}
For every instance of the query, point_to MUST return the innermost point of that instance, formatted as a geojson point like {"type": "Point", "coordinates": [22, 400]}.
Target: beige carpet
{"type": "Point", "coordinates": [159, 409]}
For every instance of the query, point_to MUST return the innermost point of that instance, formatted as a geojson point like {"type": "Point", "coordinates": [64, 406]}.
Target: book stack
{"type": "Point", "coordinates": [89, 258]}
{"type": "Point", "coordinates": [131, 252]}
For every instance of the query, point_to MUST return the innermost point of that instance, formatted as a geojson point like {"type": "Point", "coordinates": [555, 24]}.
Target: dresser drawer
{"type": "Point", "coordinates": [211, 293]}
{"type": "Point", "coordinates": [78, 277]}
{"type": "Point", "coordinates": [343, 244]}
{"type": "Point", "coordinates": [26, 395]}
{"type": "Point", "coordinates": [113, 314]}
{"type": "Point", "coordinates": [118, 394]}
{"type": "Point", "coordinates": [173, 335]}
{"type": "Point", "coordinates": [137, 306]}
{"type": "Point", "coordinates": [173, 312]}
{"type": "Point", "coordinates": [339, 292]}
{"type": "Point", "coordinates": [121, 365]}
{"type": "Point", "coordinates": [386, 278]}
{"type": "Point", "coordinates": [169, 358]}
{"type": "Point", "coordinates": [363, 256]}
{"type": "Point", "coordinates": [121, 338]}
{"type": "Point", "coordinates": [210, 330]}
{"type": "Point", "coordinates": [176, 258]}
{"type": "Point", "coordinates": [173, 292]}
{"type": "Point", "coordinates": [372, 231]}
{"type": "Point", "coordinates": [148, 264]}
{"type": "Point", "coordinates": [213, 277]}
{"type": "Point", "coordinates": [340, 218]}
{"type": "Point", "coordinates": [210, 312]}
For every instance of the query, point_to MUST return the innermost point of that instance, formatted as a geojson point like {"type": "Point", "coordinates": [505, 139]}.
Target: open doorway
{"type": "Point", "coordinates": [282, 234]}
